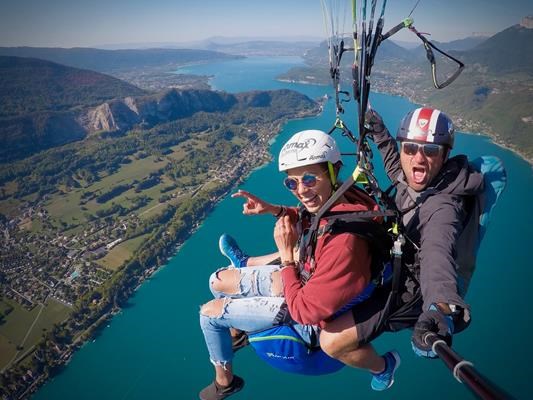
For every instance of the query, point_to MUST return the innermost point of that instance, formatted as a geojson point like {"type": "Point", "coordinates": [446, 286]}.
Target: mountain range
{"type": "Point", "coordinates": [116, 60]}
{"type": "Point", "coordinates": [30, 85]}
{"type": "Point", "coordinates": [493, 94]}
{"type": "Point", "coordinates": [48, 104]}
{"type": "Point", "coordinates": [210, 41]}
{"type": "Point", "coordinates": [509, 51]}
{"type": "Point", "coordinates": [261, 47]}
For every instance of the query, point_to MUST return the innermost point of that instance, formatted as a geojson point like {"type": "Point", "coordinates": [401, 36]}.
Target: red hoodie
{"type": "Point", "coordinates": [342, 270]}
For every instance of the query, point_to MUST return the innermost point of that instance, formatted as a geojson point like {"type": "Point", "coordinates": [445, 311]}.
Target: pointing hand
{"type": "Point", "coordinates": [253, 205]}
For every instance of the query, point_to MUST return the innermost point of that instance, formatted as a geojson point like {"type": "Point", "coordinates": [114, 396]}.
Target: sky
{"type": "Point", "coordinates": [83, 23]}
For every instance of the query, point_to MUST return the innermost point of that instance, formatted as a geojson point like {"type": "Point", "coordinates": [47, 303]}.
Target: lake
{"type": "Point", "coordinates": [154, 348]}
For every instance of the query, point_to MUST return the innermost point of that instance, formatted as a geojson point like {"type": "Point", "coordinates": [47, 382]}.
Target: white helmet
{"type": "Point", "coordinates": [307, 148]}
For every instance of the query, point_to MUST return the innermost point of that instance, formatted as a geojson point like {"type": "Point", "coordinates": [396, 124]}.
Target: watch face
{"type": "Point", "coordinates": [455, 309]}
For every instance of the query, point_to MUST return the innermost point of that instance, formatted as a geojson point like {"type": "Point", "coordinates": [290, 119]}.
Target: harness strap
{"type": "Point", "coordinates": [307, 246]}
{"type": "Point", "coordinates": [359, 223]}
{"type": "Point", "coordinates": [397, 267]}
{"type": "Point", "coordinates": [431, 58]}
{"type": "Point", "coordinates": [283, 317]}
{"type": "Point", "coordinates": [357, 215]}
{"type": "Point", "coordinates": [392, 300]}
{"type": "Point", "coordinates": [364, 225]}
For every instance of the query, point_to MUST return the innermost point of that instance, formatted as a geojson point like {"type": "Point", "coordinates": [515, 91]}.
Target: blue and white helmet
{"type": "Point", "coordinates": [307, 148]}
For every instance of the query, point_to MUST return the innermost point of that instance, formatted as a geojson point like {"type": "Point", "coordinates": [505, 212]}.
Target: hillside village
{"type": "Point", "coordinates": [63, 266]}
{"type": "Point", "coordinates": [68, 265]}
{"type": "Point", "coordinates": [43, 257]}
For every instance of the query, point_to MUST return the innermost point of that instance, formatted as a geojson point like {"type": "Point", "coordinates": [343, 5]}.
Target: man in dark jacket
{"type": "Point", "coordinates": [433, 193]}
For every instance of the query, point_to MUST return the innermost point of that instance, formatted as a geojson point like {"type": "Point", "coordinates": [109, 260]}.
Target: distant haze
{"type": "Point", "coordinates": [204, 43]}
{"type": "Point", "coordinates": [99, 23]}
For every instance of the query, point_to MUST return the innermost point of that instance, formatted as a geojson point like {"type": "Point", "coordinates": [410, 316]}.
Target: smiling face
{"type": "Point", "coordinates": [420, 169]}
{"type": "Point", "coordinates": [313, 197]}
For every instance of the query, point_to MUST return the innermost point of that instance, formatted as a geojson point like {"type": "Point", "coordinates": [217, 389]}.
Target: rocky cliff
{"type": "Point", "coordinates": [23, 136]}
{"type": "Point", "coordinates": [123, 114]}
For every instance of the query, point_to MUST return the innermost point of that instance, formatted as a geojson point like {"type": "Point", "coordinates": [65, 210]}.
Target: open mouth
{"type": "Point", "coordinates": [310, 202]}
{"type": "Point", "coordinates": [419, 174]}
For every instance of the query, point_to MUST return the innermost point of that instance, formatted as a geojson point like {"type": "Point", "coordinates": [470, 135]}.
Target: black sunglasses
{"type": "Point", "coordinates": [428, 149]}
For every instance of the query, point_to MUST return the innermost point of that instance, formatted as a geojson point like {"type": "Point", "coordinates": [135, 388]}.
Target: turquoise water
{"type": "Point", "coordinates": [154, 348]}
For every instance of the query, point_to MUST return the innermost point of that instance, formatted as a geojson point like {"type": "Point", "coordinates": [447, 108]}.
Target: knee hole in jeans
{"type": "Point", "coordinates": [227, 281]}
{"type": "Point", "coordinates": [214, 308]}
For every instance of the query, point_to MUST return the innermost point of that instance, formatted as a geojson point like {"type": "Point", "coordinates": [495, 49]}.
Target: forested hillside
{"type": "Point", "coordinates": [510, 51]}
{"type": "Point", "coordinates": [29, 85]}
{"type": "Point", "coordinates": [493, 95]}
{"type": "Point", "coordinates": [48, 105]}
{"type": "Point", "coordinates": [41, 101]}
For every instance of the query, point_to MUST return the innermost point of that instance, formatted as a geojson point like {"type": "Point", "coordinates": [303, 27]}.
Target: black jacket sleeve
{"type": "Point", "coordinates": [444, 216]}
{"type": "Point", "coordinates": [389, 153]}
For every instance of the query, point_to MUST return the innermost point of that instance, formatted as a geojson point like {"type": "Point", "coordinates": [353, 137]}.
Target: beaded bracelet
{"type": "Point", "coordinates": [288, 263]}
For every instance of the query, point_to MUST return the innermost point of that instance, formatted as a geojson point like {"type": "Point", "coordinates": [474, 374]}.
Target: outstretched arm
{"type": "Point", "coordinates": [255, 205]}
{"type": "Point", "coordinates": [386, 144]}
{"type": "Point", "coordinates": [445, 217]}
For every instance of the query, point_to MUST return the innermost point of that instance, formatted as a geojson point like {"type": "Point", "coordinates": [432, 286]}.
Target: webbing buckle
{"type": "Point", "coordinates": [397, 247]}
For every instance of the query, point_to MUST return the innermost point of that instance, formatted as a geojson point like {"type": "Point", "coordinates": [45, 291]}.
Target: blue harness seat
{"type": "Point", "coordinates": [283, 348]}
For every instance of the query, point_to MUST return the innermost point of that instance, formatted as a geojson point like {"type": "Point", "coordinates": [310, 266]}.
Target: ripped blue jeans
{"type": "Point", "coordinates": [253, 309]}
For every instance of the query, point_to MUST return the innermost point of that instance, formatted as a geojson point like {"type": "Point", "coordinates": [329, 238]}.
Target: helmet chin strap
{"type": "Point", "coordinates": [446, 154]}
{"type": "Point", "coordinates": [332, 176]}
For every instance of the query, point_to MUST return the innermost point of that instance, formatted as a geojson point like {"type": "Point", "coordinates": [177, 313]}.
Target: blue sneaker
{"type": "Point", "coordinates": [385, 379]}
{"type": "Point", "coordinates": [229, 247]}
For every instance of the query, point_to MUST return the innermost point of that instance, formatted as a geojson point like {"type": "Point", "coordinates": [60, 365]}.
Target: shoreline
{"type": "Point", "coordinates": [62, 358]}
{"type": "Point", "coordinates": [174, 248]}
{"type": "Point", "coordinates": [461, 127]}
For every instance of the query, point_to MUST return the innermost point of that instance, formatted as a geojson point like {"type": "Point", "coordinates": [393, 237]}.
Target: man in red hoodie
{"type": "Point", "coordinates": [312, 287]}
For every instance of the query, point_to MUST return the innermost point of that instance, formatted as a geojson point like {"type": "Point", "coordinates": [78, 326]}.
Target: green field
{"type": "Point", "coordinates": [68, 212]}
{"type": "Point", "coordinates": [21, 323]}
{"type": "Point", "coordinates": [66, 207]}
{"type": "Point", "coordinates": [121, 253]}
{"type": "Point", "coordinates": [4, 307]}
{"type": "Point", "coordinates": [18, 322]}
{"type": "Point", "coordinates": [35, 226]}
{"type": "Point", "coordinates": [238, 141]}
{"type": "Point", "coordinates": [7, 351]}
{"type": "Point", "coordinates": [178, 151]}
{"type": "Point", "coordinates": [138, 169]}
